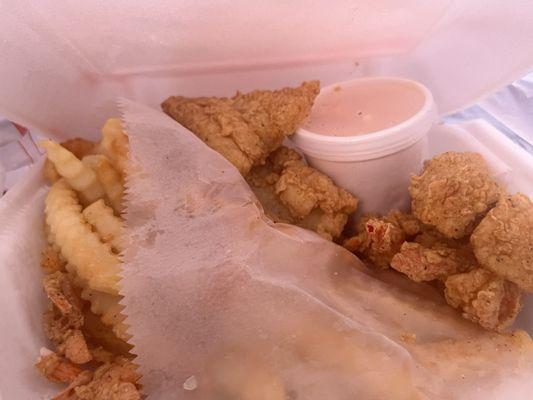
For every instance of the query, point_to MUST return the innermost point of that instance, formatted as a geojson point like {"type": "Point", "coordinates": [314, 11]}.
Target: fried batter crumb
{"type": "Point", "coordinates": [408, 337]}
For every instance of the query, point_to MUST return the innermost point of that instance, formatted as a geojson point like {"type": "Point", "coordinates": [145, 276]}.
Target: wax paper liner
{"type": "Point", "coordinates": [224, 304]}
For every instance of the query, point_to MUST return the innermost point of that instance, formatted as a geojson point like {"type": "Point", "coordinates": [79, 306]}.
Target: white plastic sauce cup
{"type": "Point", "coordinates": [375, 166]}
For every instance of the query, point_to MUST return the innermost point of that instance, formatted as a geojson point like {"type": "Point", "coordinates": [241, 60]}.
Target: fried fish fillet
{"type": "Point", "coordinates": [484, 297]}
{"type": "Point", "coordinates": [292, 192]}
{"type": "Point", "coordinates": [433, 256]}
{"type": "Point", "coordinates": [503, 240]}
{"type": "Point", "coordinates": [245, 128]}
{"type": "Point", "coordinates": [452, 192]}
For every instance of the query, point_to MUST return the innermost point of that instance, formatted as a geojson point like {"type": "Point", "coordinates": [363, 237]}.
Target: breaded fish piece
{"type": "Point", "coordinates": [503, 240]}
{"type": "Point", "coordinates": [484, 298]}
{"type": "Point", "coordinates": [64, 319]}
{"type": "Point", "coordinates": [245, 128]}
{"type": "Point", "coordinates": [452, 192]}
{"type": "Point", "coordinates": [423, 264]}
{"type": "Point", "coordinates": [378, 239]}
{"type": "Point", "coordinates": [292, 192]}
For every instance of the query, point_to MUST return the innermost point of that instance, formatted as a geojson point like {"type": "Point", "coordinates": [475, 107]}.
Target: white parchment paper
{"type": "Point", "coordinates": [223, 304]}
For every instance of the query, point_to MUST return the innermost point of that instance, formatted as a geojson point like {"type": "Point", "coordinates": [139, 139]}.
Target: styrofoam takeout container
{"type": "Point", "coordinates": [64, 63]}
{"type": "Point", "coordinates": [376, 165]}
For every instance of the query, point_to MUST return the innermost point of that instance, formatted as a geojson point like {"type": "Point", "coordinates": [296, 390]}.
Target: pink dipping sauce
{"type": "Point", "coordinates": [369, 106]}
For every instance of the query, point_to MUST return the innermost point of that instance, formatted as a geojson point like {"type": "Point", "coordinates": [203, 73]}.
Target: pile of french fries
{"type": "Point", "coordinates": [81, 258]}
{"type": "Point", "coordinates": [83, 216]}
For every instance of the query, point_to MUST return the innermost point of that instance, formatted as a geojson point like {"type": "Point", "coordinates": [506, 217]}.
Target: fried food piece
{"type": "Point", "coordinates": [295, 193]}
{"type": "Point", "coordinates": [114, 144]}
{"type": "Point", "coordinates": [112, 381]}
{"type": "Point", "coordinates": [66, 394]}
{"type": "Point", "coordinates": [453, 190]}
{"type": "Point", "coordinates": [75, 347]}
{"type": "Point", "coordinates": [62, 295]}
{"type": "Point", "coordinates": [57, 369]}
{"type": "Point", "coordinates": [80, 177]}
{"type": "Point", "coordinates": [484, 298]}
{"type": "Point", "coordinates": [409, 224]}
{"type": "Point", "coordinates": [50, 172]}
{"type": "Point", "coordinates": [421, 264]}
{"type": "Point", "coordinates": [110, 179]}
{"type": "Point", "coordinates": [503, 240]}
{"type": "Point", "coordinates": [80, 147]}
{"type": "Point", "coordinates": [433, 256]}
{"type": "Point", "coordinates": [378, 239]}
{"type": "Point", "coordinates": [107, 225]}
{"type": "Point", "coordinates": [63, 321]}
{"type": "Point", "coordinates": [51, 261]}
{"type": "Point", "coordinates": [93, 260]}
{"type": "Point", "coordinates": [245, 128]}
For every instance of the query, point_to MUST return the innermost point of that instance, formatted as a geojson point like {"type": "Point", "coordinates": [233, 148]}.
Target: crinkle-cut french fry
{"type": "Point", "coordinates": [49, 171]}
{"type": "Point", "coordinates": [79, 147]}
{"type": "Point", "coordinates": [114, 144]}
{"type": "Point", "coordinates": [110, 179]}
{"type": "Point", "coordinates": [79, 176]}
{"type": "Point", "coordinates": [109, 309]}
{"type": "Point", "coordinates": [108, 226]}
{"type": "Point", "coordinates": [93, 260]}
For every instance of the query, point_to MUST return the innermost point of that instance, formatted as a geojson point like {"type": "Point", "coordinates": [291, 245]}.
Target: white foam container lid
{"type": "Point", "coordinates": [64, 63]}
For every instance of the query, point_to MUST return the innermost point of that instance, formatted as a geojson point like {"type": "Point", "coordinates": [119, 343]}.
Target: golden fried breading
{"type": "Point", "coordinates": [503, 240]}
{"type": "Point", "coordinates": [295, 193]}
{"type": "Point", "coordinates": [51, 261]}
{"type": "Point", "coordinates": [484, 298]}
{"type": "Point", "coordinates": [80, 147]}
{"type": "Point", "coordinates": [245, 128]}
{"type": "Point", "coordinates": [453, 190]}
{"type": "Point", "coordinates": [112, 381]}
{"type": "Point", "coordinates": [378, 239]}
